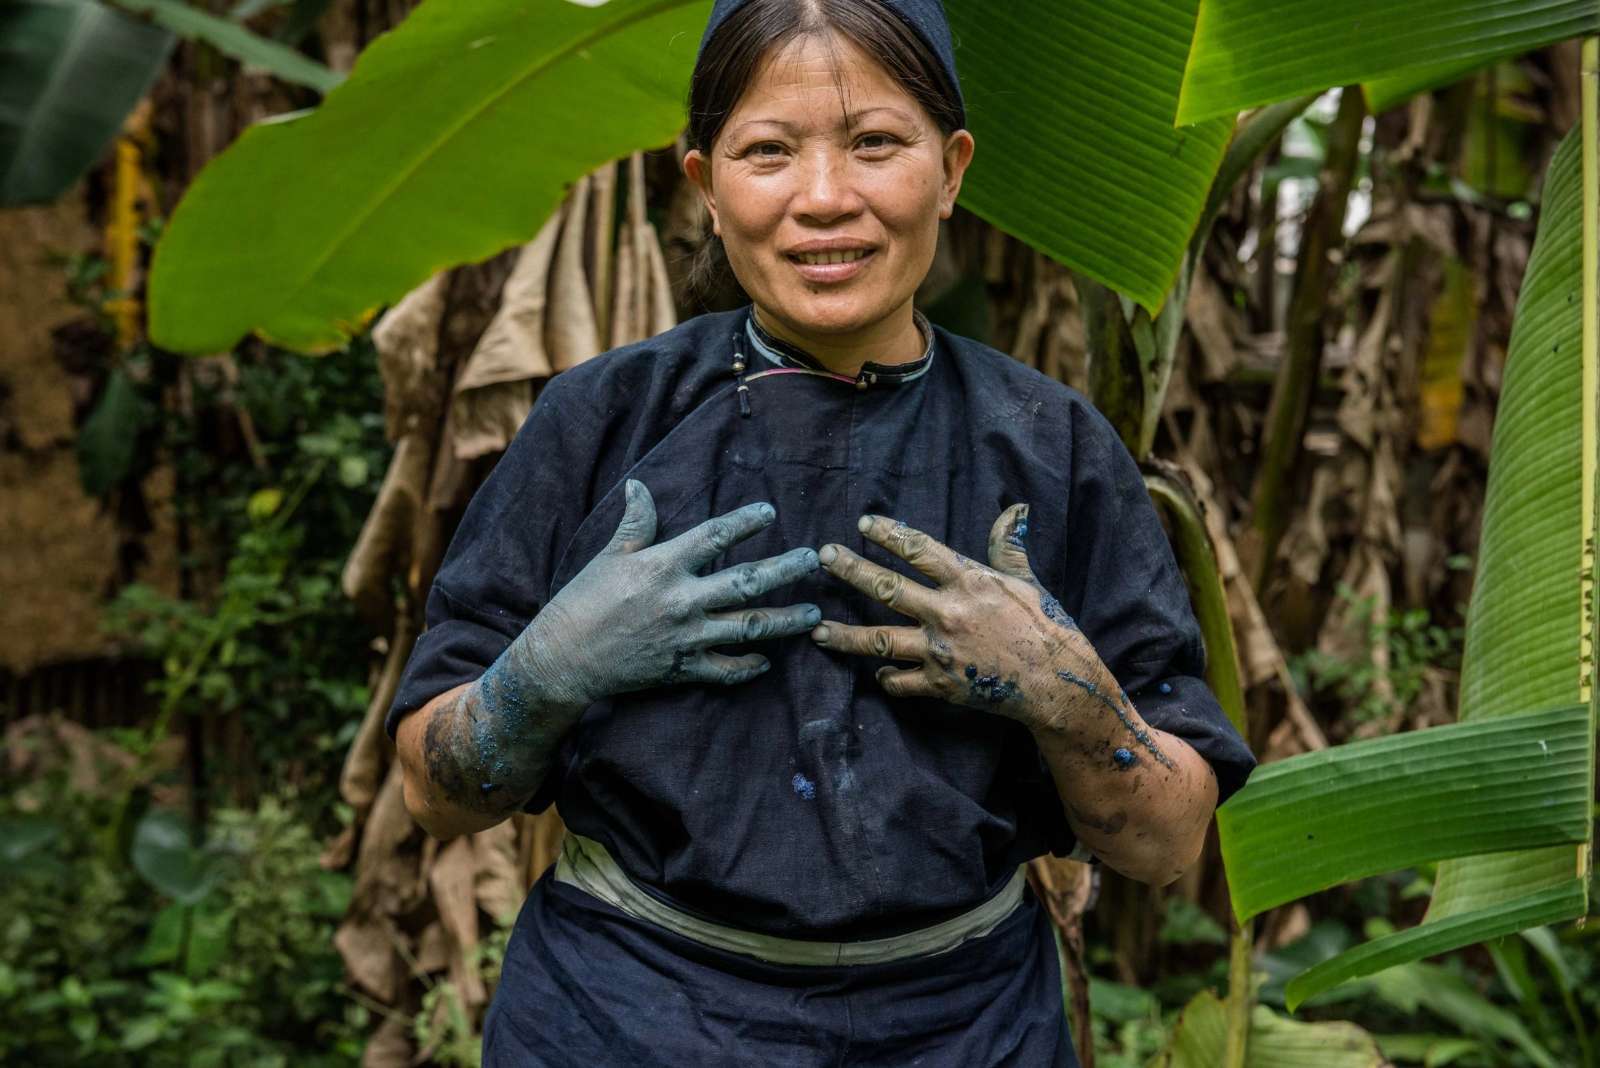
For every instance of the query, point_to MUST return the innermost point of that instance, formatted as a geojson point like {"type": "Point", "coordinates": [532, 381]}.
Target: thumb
{"type": "Point", "coordinates": [1008, 550]}
{"type": "Point", "coordinates": [637, 528]}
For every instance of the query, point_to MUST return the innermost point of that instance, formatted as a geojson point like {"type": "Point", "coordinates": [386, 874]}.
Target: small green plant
{"type": "Point", "coordinates": [1415, 644]}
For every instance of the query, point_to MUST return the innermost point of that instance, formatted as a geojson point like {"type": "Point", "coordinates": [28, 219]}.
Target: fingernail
{"type": "Point", "coordinates": [820, 634]}
{"type": "Point", "coordinates": [811, 558]}
{"type": "Point", "coordinates": [864, 524]}
{"type": "Point", "coordinates": [828, 554]}
{"type": "Point", "coordinates": [765, 664]}
{"type": "Point", "coordinates": [768, 512]}
{"type": "Point", "coordinates": [813, 615]}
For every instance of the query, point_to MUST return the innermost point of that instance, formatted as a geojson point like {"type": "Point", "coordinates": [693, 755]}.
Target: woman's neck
{"type": "Point", "coordinates": [893, 339]}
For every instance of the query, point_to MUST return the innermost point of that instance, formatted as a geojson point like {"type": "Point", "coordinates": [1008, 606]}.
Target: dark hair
{"type": "Point", "coordinates": [729, 60]}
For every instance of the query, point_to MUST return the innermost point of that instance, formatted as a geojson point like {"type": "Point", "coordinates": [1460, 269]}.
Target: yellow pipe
{"type": "Point", "coordinates": [122, 229]}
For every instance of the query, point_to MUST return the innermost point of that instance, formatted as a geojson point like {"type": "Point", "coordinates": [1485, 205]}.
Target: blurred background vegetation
{"type": "Point", "coordinates": [212, 564]}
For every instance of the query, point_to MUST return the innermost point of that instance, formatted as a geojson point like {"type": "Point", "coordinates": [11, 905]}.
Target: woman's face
{"type": "Point", "coordinates": [827, 184]}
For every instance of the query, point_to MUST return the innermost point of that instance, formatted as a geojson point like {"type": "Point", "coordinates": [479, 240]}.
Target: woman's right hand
{"type": "Point", "coordinates": [638, 615]}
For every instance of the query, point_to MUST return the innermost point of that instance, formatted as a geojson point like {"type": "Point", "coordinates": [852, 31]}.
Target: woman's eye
{"type": "Point", "coordinates": [766, 150]}
{"type": "Point", "coordinates": [875, 141]}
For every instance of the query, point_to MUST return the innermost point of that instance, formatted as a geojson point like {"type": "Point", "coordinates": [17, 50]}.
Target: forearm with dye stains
{"type": "Point", "coordinates": [1138, 797]}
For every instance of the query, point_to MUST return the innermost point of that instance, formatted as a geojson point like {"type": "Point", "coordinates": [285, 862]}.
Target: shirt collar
{"type": "Point", "coordinates": [783, 354]}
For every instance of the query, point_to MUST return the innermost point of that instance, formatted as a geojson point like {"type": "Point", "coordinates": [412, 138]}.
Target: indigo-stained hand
{"type": "Point", "coordinates": [987, 636]}
{"type": "Point", "coordinates": [636, 616]}
{"type": "Point", "coordinates": [992, 637]}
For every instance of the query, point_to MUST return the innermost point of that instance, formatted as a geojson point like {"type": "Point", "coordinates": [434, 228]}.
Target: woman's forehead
{"type": "Point", "coordinates": [824, 79]}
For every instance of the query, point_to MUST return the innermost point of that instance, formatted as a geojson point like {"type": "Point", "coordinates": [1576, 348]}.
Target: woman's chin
{"type": "Point", "coordinates": [831, 315]}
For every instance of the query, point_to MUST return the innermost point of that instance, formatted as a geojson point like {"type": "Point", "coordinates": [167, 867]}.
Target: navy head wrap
{"type": "Point", "coordinates": [925, 17]}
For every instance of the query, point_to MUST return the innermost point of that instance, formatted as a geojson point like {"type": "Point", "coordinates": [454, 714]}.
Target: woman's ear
{"type": "Point", "coordinates": [958, 149]}
{"type": "Point", "coordinates": [697, 168]}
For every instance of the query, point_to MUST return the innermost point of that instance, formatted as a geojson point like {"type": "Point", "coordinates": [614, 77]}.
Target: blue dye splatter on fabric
{"type": "Point", "coordinates": [1165, 687]}
{"type": "Point", "coordinates": [804, 787]}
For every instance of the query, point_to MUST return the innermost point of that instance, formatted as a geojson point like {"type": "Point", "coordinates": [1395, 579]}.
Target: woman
{"type": "Point", "coordinates": [811, 855]}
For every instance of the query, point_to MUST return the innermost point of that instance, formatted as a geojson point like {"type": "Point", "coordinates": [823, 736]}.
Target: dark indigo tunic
{"type": "Point", "coordinates": [808, 803]}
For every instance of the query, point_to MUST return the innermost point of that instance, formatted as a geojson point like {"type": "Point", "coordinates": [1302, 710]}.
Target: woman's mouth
{"type": "Point", "coordinates": [837, 265]}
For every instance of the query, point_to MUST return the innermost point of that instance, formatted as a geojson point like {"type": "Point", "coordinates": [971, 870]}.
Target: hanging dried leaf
{"type": "Point", "coordinates": [451, 879]}
{"type": "Point", "coordinates": [371, 750]}
{"type": "Point", "coordinates": [571, 333]}
{"type": "Point", "coordinates": [407, 340]}
{"type": "Point", "coordinates": [493, 393]}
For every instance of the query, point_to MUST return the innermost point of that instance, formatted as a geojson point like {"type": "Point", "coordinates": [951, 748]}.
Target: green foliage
{"type": "Point", "coordinates": [1250, 52]}
{"type": "Point", "coordinates": [275, 641]}
{"type": "Point", "coordinates": [459, 129]}
{"type": "Point", "coordinates": [1415, 644]}
{"type": "Point", "coordinates": [73, 70]}
{"type": "Point", "coordinates": [99, 964]}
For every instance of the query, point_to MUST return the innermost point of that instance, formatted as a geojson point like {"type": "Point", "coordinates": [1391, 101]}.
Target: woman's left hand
{"type": "Point", "coordinates": [989, 637]}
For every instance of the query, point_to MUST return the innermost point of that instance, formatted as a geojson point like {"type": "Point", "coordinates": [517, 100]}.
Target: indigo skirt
{"type": "Point", "coordinates": [588, 986]}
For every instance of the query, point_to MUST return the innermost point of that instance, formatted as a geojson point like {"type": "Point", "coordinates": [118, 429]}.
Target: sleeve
{"type": "Point", "coordinates": [1133, 604]}
{"type": "Point", "coordinates": [497, 570]}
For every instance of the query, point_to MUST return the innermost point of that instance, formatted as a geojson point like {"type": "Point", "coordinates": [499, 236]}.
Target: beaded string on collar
{"type": "Point", "coordinates": [790, 359]}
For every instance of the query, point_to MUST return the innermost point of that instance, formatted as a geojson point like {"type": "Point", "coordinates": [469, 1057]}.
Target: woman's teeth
{"type": "Point", "coordinates": [831, 257]}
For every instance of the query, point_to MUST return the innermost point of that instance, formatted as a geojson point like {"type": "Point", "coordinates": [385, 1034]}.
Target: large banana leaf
{"type": "Point", "coordinates": [1525, 629]}
{"type": "Point", "coordinates": [1330, 817]}
{"type": "Point", "coordinates": [454, 137]}
{"type": "Point", "coordinates": [455, 134]}
{"type": "Point", "coordinates": [1250, 52]}
{"type": "Point", "coordinates": [70, 71]}
{"type": "Point", "coordinates": [1071, 103]}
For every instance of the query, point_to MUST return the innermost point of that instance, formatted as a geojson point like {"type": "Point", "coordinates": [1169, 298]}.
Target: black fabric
{"type": "Point", "coordinates": [808, 803]}
{"type": "Point", "coordinates": [926, 17]}
{"type": "Point", "coordinates": [584, 985]}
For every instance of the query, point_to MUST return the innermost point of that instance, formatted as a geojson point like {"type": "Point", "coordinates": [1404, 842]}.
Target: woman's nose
{"type": "Point", "coordinates": [827, 191]}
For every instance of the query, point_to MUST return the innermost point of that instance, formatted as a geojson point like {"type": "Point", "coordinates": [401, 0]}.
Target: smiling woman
{"type": "Point", "coordinates": [976, 645]}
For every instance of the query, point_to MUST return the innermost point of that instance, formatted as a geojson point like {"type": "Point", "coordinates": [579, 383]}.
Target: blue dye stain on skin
{"type": "Point", "coordinates": [1052, 608]}
{"type": "Point", "coordinates": [1018, 533]}
{"type": "Point", "coordinates": [1140, 735]}
{"type": "Point", "coordinates": [1124, 758]}
{"type": "Point", "coordinates": [804, 787]}
{"type": "Point", "coordinates": [988, 689]}
{"type": "Point", "coordinates": [1165, 687]}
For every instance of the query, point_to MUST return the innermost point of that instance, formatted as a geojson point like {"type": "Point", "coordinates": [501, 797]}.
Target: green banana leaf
{"type": "Point", "coordinates": [236, 42]}
{"type": "Point", "coordinates": [1071, 104]}
{"type": "Point", "coordinates": [70, 71]}
{"type": "Point", "coordinates": [454, 137]}
{"type": "Point", "coordinates": [457, 131]}
{"type": "Point", "coordinates": [1321, 819]}
{"type": "Point", "coordinates": [1522, 657]}
{"type": "Point", "coordinates": [1250, 52]}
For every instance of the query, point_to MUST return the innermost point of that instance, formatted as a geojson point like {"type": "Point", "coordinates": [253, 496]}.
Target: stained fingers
{"type": "Point", "coordinates": [881, 584]}
{"type": "Point", "coordinates": [919, 549]}
{"type": "Point", "coordinates": [759, 624]}
{"type": "Point", "coordinates": [892, 643]}
{"type": "Point", "coordinates": [743, 583]}
{"type": "Point", "coordinates": [697, 547]}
